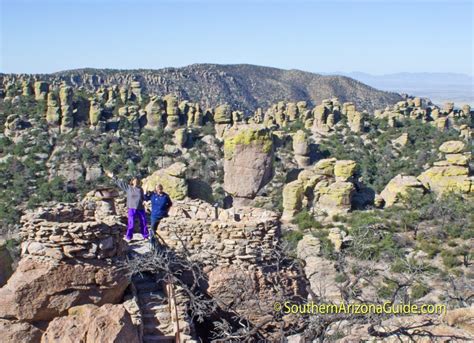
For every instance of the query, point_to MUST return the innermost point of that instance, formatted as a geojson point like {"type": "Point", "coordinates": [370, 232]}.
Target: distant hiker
{"type": "Point", "coordinates": [160, 205]}
{"type": "Point", "coordinates": [135, 197]}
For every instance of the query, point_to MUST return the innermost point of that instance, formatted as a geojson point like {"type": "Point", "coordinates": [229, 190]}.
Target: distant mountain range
{"type": "Point", "coordinates": [244, 86]}
{"type": "Point", "coordinates": [439, 87]}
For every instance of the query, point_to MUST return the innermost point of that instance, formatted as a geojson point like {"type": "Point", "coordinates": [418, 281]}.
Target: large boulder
{"type": "Point", "coordinates": [336, 197]}
{"type": "Point", "coordinates": [300, 143]}
{"type": "Point", "coordinates": [154, 113]}
{"type": "Point", "coordinates": [452, 147]}
{"type": "Point", "coordinates": [248, 160]}
{"type": "Point", "coordinates": [223, 114]}
{"type": "Point", "coordinates": [399, 187]}
{"type": "Point", "coordinates": [173, 181]}
{"type": "Point", "coordinates": [293, 194]}
{"type": "Point", "coordinates": [15, 332]}
{"type": "Point", "coordinates": [320, 272]}
{"type": "Point", "coordinates": [41, 288]}
{"type": "Point", "coordinates": [344, 169]}
{"type": "Point", "coordinates": [449, 178]}
{"type": "Point", "coordinates": [90, 324]}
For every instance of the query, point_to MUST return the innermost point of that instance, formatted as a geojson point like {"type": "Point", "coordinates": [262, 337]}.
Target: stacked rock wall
{"type": "Point", "coordinates": [64, 232]}
{"type": "Point", "coordinates": [245, 238]}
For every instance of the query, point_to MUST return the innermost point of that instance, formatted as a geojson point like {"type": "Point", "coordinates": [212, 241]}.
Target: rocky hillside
{"type": "Point", "coordinates": [294, 202]}
{"type": "Point", "coordinates": [245, 87]}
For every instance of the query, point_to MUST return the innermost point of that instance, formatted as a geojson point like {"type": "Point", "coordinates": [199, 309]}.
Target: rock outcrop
{"type": "Point", "coordinates": [69, 258]}
{"type": "Point", "coordinates": [301, 148]}
{"type": "Point", "coordinates": [90, 323]}
{"type": "Point", "coordinates": [327, 186]}
{"type": "Point", "coordinates": [319, 271]}
{"type": "Point", "coordinates": [452, 174]}
{"type": "Point", "coordinates": [399, 187]}
{"type": "Point", "coordinates": [248, 161]}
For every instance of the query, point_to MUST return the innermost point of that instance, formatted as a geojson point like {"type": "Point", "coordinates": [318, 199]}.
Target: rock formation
{"type": "Point", "coordinates": [399, 187]}
{"type": "Point", "coordinates": [90, 323]}
{"type": "Point", "coordinates": [172, 179]}
{"type": "Point", "coordinates": [65, 97]}
{"type": "Point", "coordinates": [69, 258]}
{"type": "Point", "coordinates": [301, 148]}
{"type": "Point", "coordinates": [452, 174]}
{"type": "Point", "coordinates": [248, 161]}
{"type": "Point", "coordinates": [327, 186]}
{"type": "Point", "coordinates": [53, 111]}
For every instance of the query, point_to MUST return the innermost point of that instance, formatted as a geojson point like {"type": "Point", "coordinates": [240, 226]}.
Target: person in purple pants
{"type": "Point", "coordinates": [135, 197]}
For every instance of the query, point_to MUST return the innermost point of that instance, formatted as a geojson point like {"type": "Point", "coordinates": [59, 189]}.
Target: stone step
{"type": "Point", "coordinates": [149, 286]}
{"type": "Point", "coordinates": [157, 329]}
{"type": "Point", "coordinates": [160, 316]}
{"type": "Point", "coordinates": [149, 297]}
{"type": "Point", "coordinates": [158, 338]}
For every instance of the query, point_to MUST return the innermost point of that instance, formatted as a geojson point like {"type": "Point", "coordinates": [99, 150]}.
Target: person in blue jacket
{"type": "Point", "coordinates": [160, 205]}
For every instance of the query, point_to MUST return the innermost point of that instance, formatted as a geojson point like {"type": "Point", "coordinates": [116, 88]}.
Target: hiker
{"type": "Point", "coordinates": [135, 197]}
{"type": "Point", "coordinates": [160, 205]}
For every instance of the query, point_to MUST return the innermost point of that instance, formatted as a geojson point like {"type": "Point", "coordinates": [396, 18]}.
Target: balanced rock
{"type": "Point", "coordinates": [248, 160]}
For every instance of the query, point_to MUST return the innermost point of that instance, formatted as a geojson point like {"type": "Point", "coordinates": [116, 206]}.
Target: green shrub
{"type": "Point", "coordinates": [419, 290]}
{"type": "Point", "coordinates": [306, 221]}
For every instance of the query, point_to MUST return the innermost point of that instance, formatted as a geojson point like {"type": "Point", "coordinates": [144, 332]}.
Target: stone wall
{"type": "Point", "coordinates": [64, 231]}
{"type": "Point", "coordinates": [245, 237]}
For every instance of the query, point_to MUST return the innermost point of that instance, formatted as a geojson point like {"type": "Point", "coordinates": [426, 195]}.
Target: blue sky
{"type": "Point", "coordinates": [320, 36]}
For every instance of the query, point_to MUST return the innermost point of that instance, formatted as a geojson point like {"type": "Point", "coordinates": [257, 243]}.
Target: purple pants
{"type": "Point", "coordinates": [132, 214]}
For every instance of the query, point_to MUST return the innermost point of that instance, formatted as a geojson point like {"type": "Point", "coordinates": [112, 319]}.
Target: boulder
{"type": "Point", "coordinates": [398, 187]}
{"type": "Point", "coordinates": [325, 166]}
{"type": "Point", "coordinates": [248, 160]}
{"type": "Point", "coordinates": [181, 137]}
{"type": "Point", "coordinates": [458, 159]}
{"type": "Point", "coordinates": [293, 194]}
{"type": "Point", "coordinates": [452, 147]}
{"type": "Point", "coordinates": [223, 114]}
{"type": "Point", "coordinates": [400, 141]}
{"type": "Point", "coordinates": [12, 331]}
{"type": "Point", "coordinates": [320, 272]}
{"type": "Point", "coordinates": [42, 289]}
{"type": "Point", "coordinates": [53, 110]}
{"type": "Point", "coordinates": [154, 112]}
{"type": "Point", "coordinates": [300, 143]}
{"type": "Point", "coordinates": [344, 169]}
{"type": "Point", "coordinates": [336, 197]}
{"type": "Point", "coordinates": [90, 323]}
{"type": "Point", "coordinates": [41, 90]}
{"type": "Point", "coordinates": [173, 181]}
{"type": "Point", "coordinates": [447, 178]}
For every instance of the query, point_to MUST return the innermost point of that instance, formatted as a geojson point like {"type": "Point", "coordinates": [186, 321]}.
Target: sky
{"type": "Point", "coordinates": [378, 37]}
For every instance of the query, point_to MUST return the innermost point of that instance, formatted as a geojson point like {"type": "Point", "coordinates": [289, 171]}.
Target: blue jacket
{"type": "Point", "coordinates": [160, 204]}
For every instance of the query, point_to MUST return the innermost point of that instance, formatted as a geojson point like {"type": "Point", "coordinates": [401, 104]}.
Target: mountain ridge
{"type": "Point", "coordinates": [244, 86]}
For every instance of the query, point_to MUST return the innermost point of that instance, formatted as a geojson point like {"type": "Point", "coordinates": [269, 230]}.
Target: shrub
{"type": "Point", "coordinates": [306, 221]}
